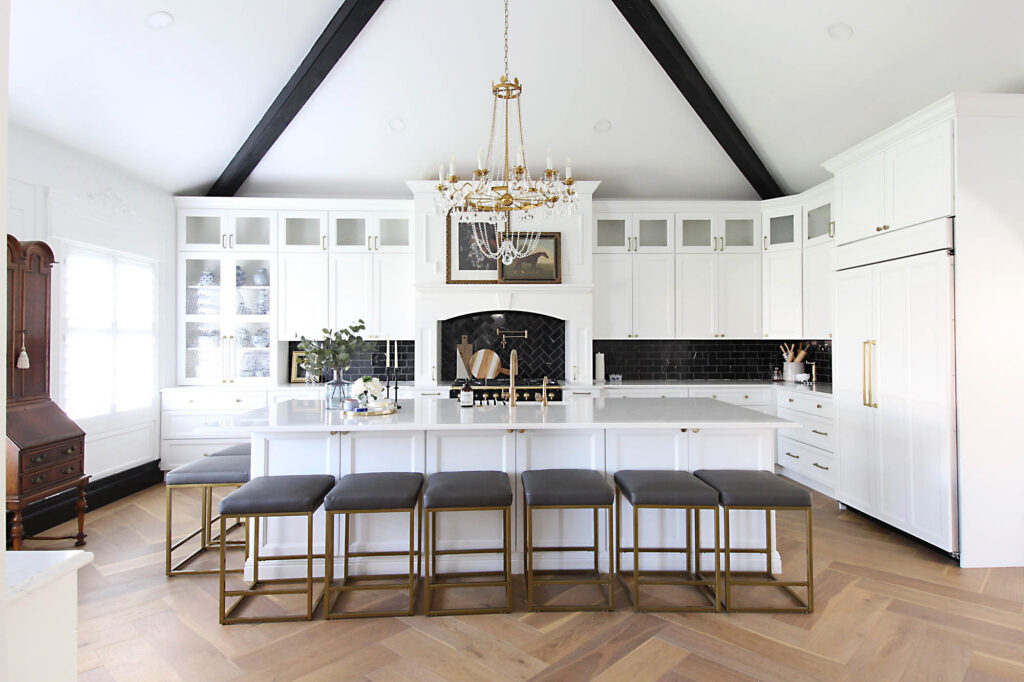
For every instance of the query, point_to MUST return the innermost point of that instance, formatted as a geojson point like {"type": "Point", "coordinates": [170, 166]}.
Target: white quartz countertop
{"type": "Point", "coordinates": [820, 387]}
{"type": "Point", "coordinates": [588, 413]}
{"type": "Point", "coordinates": [29, 572]}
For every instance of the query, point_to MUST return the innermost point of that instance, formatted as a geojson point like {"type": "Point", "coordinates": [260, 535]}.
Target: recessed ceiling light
{"type": "Point", "coordinates": [602, 126]}
{"type": "Point", "coordinates": [160, 19]}
{"type": "Point", "coordinates": [840, 31]}
{"type": "Point", "coordinates": [396, 124]}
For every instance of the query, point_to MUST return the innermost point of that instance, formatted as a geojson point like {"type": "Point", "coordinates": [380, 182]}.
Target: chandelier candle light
{"type": "Point", "coordinates": [497, 191]}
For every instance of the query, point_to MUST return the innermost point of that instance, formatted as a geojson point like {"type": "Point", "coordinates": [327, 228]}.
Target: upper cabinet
{"type": "Point", "coordinates": [783, 226]}
{"type": "Point", "coordinates": [363, 232]}
{"type": "Point", "coordinates": [634, 233]}
{"type": "Point", "coordinates": [224, 230]}
{"type": "Point", "coordinates": [908, 182]}
{"type": "Point", "coordinates": [718, 233]}
{"type": "Point", "coordinates": [302, 231]}
{"type": "Point", "coordinates": [818, 224]}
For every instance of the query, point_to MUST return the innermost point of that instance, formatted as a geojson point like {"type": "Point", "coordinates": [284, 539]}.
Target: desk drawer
{"type": "Point", "coordinates": [736, 396]}
{"type": "Point", "coordinates": [47, 477]}
{"type": "Point", "coordinates": [817, 432]}
{"type": "Point", "coordinates": [817, 405]}
{"type": "Point", "coordinates": [42, 459]}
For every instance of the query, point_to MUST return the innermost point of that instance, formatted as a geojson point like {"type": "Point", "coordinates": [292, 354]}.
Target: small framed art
{"type": "Point", "coordinates": [465, 263]}
{"type": "Point", "coordinates": [543, 266]}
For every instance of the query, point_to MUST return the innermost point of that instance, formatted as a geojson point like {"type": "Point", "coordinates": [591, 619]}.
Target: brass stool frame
{"type": "Point", "coordinates": [531, 581]}
{"type": "Point", "coordinates": [693, 552]}
{"type": "Point", "coordinates": [254, 589]}
{"type": "Point", "coordinates": [204, 531]}
{"type": "Point", "coordinates": [768, 578]}
{"type": "Point", "coordinates": [432, 552]}
{"type": "Point", "coordinates": [410, 580]}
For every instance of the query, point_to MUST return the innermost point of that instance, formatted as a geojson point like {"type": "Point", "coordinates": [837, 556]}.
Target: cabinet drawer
{"type": "Point", "coordinates": [174, 453]}
{"type": "Point", "coordinates": [645, 392]}
{"type": "Point", "coordinates": [66, 451]}
{"type": "Point", "coordinates": [818, 405]}
{"type": "Point", "coordinates": [736, 396]}
{"type": "Point", "coordinates": [213, 400]}
{"type": "Point", "coordinates": [191, 425]}
{"type": "Point", "coordinates": [817, 432]}
{"type": "Point", "coordinates": [807, 460]}
{"type": "Point", "coordinates": [38, 480]}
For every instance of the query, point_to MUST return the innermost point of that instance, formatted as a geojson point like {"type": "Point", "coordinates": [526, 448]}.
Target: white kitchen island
{"type": "Point", "coordinates": [428, 436]}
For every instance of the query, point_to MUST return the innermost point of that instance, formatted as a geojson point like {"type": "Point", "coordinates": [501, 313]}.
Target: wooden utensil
{"type": "Point", "coordinates": [485, 364]}
{"type": "Point", "coordinates": [465, 351]}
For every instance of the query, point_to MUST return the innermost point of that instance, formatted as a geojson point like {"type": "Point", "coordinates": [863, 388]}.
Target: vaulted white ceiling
{"type": "Point", "coordinates": [173, 105]}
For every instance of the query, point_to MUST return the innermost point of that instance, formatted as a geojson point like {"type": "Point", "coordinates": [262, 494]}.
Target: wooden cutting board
{"type": "Point", "coordinates": [485, 364]}
{"type": "Point", "coordinates": [464, 351]}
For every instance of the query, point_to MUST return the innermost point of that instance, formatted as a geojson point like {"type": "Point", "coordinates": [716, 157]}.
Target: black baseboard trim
{"type": "Point", "coordinates": [53, 511]}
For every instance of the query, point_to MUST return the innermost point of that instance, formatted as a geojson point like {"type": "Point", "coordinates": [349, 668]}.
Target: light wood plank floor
{"type": "Point", "coordinates": [887, 608]}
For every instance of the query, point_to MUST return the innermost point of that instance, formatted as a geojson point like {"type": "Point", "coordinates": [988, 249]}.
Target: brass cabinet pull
{"type": "Point", "coordinates": [831, 229]}
{"type": "Point", "coordinates": [376, 243]}
{"type": "Point", "coordinates": [819, 466]}
{"type": "Point", "coordinates": [746, 397]}
{"type": "Point", "coordinates": [38, 458]}
{"type": "Point", "coordinates": [433, 369]}
{"type": "Point", "coordinates": [790, 400]}
{"type": "Point", "coordinates": [580, 393]}
{"type": "Point", "coordinates": [231, 241]}
{"type": "Point", "coordinates": [323, 242]}
{"type": "Point", "coordinates": [878, 229]}
{"type": "Point", "coordinates": [790, 454]}
{"type": "Point", "coordinates": [423, 394]}
{"type": "Point", "coordinates": [696, 430]}
{"type": "Point", "coordinates": [683, 430]}
{"type": "Point", "coordinates": [820, 433]}
{"type": "Point", "coordinates": [67, 470]}
{"type": "Point", "coordinates": [70, 451]}
{"type": "Point", "coordinates": [223, 241]}
{"type": "Point", "coordinates": [368, 248]}
{"type": "Point", "coordinates": [714, 395]}
{"type": "Point", "coordinates": [522, 430]}
{"type": "Point", "coordinates": [37, 479]}
{"type": "Point", "coordinates": [766, 242]}
{"type": "Point", "coordinates": [819, 406]}
{"type": "Point", "coordinates": [575, 373]}
{"type": "Point", "coordinates": [885, 227]}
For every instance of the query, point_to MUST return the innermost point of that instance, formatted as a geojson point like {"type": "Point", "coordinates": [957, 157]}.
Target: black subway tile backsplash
{"type": "Point", "coordinates": [704, 359]}
{"type": "Point", "coordinates": [371, 362]}
{"type": "Point", "coordinates": [540, 354]}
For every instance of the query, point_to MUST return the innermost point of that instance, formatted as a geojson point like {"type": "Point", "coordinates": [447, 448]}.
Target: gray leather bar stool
{"type": "Point", "coordinates": [206, 474]}
{"type": "Point", "coordinates": [371, 493]}
{"type": "Point", "coordinates": [462, 491]}
{"type": "Point", "coordinates": [667, 490]}
{"type": "Point", "coordinates": [234, 451]}
{"type": "Point", "coordinates": [266, 497]}
{"type": "Point", "coordinates": [767, 492]}
{"type": "Point", "coordinates": [568, 489]}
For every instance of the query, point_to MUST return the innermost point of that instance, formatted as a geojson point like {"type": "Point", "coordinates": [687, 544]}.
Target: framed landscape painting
{"type": "Point", "coordinates": [466, 265]}
{"type": "Point", "coordinates": [543, 266]}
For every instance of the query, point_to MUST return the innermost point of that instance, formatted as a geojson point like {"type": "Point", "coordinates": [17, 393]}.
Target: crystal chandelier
{"type": "Point", "coordinates": [489, 200]}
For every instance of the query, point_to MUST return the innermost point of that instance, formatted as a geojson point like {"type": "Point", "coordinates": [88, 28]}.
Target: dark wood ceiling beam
{"type": "Point", "coordinates": [650, 26]}
{"type": "Point", "coordinates": [341, 32]}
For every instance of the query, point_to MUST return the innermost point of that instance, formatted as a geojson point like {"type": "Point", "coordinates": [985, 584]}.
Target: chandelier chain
{"type": "Point", "coordinates": [506, 38]}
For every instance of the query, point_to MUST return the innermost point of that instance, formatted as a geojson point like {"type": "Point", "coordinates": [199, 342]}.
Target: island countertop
{"type": "Point", "coordinates": [428, 415]}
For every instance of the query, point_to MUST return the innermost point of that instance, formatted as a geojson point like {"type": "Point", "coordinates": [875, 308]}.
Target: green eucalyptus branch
{"type": "Point", "coordinates": [335, 351]}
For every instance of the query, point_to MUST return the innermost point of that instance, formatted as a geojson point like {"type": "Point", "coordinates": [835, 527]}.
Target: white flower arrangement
{"type": "Point", "coordinates": [370, 387]}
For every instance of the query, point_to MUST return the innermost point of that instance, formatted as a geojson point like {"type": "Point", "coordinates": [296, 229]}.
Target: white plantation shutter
{"type": "Point", "coordinates": [109, 353]}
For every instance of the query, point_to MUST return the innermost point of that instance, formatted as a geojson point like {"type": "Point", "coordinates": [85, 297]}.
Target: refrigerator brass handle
{"type": "Point", "coordinates": [864, 373]}
{"type": "Point", "coordinates": [871, 388]}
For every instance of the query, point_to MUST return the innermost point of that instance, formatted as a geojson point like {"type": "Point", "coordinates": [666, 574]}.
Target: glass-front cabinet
{"type": "Point", "coordinates": [718, 233]}
{"type": "Point", "coordinates": [634, 233]}
{"type": "Point", "coordinates": [819, 226]}
{"type": "Point", "coordinates": [782, 228]}
{"type": "Point", "coordinates": [302, 230]}
{"type": "Point", "coordinates": [226, 323]}
{"type": "Point", "coordinates": [368, 232]}
{"type": "Point", "coordinates": [224, 230]}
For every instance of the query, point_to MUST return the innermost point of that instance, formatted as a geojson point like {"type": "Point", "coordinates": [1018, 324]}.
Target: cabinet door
{"type": "Point", "coordinates": [739, 233]}
{"type": "Point", "coordinates": [394, 313]}
{"type": "Point", "coordinates": [393, 233]}
{"type": "Point", "coordinates": [252, 231]}
{"type": "Point", "coordinates": [613, 233]}
{"type": "Point", "coordinates": [302, 230]}
{"type": "Point", "coordinates": [653, 232]}
{"type": "Point", "coordinates": [202, 331]}
{"type": "Point", "coordinates": [782, 293]}
{"type": "Point", "coordinates": [913, 382]}
{"type": "Point", "coordinates": [350, 232]}
{"type": "Point", "coordinates": [861, 191]}
{"type": "Point", "coordinates": [202, 230]}
{"type": "Point", "coordinates": [696, 233]}
{"type": "Point", "coordinates": [855, 420]}
{"type": "Point", "coordinates": [351, 289]}
{"type": "Point", "coordinates": [252, 330]}
{"type": "Point", "coordinates": [818, 224]}
{"type": "Point", "coordinates": [919, 177]}
{"type": "Point", "coordinates": [739, 295]}
{"type": "Point", "coordinates": [613, 295]}
{"type": "Point", "coordinates": [782, 229]}
{"type": "Point", "coordinates": [303, 287]}
{"type": "Point", "coordinates": [653, 296]}
{"type": "Point", "coordinates": [696, 296]}
{"type": "Point", "coordinates": [818, 275]}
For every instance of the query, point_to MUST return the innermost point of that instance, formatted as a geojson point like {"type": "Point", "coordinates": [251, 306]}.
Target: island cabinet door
{"type": "Point", "coordinates": [466, 450]}
{"type": "Point", "coordinates": [650, 449]}
{"type": "Point", "coordinates": [558, 449]}
{"type": "Point", "coordinates": [372, 451]}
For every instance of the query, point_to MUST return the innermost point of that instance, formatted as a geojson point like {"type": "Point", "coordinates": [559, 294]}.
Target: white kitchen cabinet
{"type": "Point", "coordinates": [908, 182]}
{"type": "Point", "coordinates": [364, 232]}
{"type": "Point", "coordinates": [636, 296]}
{"type": "Point", "coordinates": [302, 231]}
{"type": "Point", "coordinates": [739, 295]}
{"type": "Point", "coordinates": [819, 227]}
{"type": "Point", "coordinates": [718, 233]}
{"type": "Point", "coordinates": [303, 287]}
{"type": "Point", "coordinates": [226, 317]}
{"type": "Point", "coordinates": [782, 291]}
{"type": "Point", "coordinates": [227, 230]}
{"type": "Point", "coordinates": [818, 276]}
{"type": "Point", "coordinates": [893, 380]}
{"type": "Point", "coordinates": [634, 233]}
{"type": "Point", "coordinates": [696, 296]}
{"type": "Point", "coordinates": [376, 288]}
{"type": "Point", "coordinates": [783, 226]}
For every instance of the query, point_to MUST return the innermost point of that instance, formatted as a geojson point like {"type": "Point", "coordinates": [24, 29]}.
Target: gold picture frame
{"type": "Point", "coordinates": [543, 266]}
{"type": "Point", "coordinates": [298, 373]}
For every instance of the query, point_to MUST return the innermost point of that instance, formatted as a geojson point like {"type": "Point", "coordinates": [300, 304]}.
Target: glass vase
{"type": "Point", "coordinates": [335, 392]}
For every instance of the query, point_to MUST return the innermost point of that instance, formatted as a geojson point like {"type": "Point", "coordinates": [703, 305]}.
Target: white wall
{"type": "Point", "coordinates": [5, 34]}
{"type": "Point", "coordinates": [57, 193]}
{"type": "Point", "coordinates": [990, 317]}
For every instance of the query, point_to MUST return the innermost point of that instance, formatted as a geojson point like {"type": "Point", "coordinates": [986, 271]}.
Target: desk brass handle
{"type": "Point", "coordinates": [793, 456]}
{"type": "Point", "coordinates": [37, 479]}
{"type": "Point", "coordinates": [68, 470]}
{"type": "Point", "coordinates": [70, 451]}
{"type": "Point", "coordinates": [38, 458]}
{"type": "Point", "coordinates": [820, 433]}
{"type": "Point", "coordinates": [819, 466]}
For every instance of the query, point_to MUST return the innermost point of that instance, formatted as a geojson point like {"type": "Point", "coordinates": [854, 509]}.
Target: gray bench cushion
{"type": "Point", "coordinates": [468, 489]}
{"type": "Point", "coordinates": [385, 490]}
{"type": "Point", "coordinates": [668, 488]}
{"type": "Point", "coordinates": [278, 495]}
{"type": "Point", "coordinates": [566, 487]}
{"type": "Point", "coordinates": [737, 488]}
{"type": "Point", "coordinates": [234, 451]}
{"type": "Point", "coordinates": [209, 471]}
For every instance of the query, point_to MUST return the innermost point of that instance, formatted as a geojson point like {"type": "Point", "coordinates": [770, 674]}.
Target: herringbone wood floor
{"type": "Point", "coordinates": [887, 608]}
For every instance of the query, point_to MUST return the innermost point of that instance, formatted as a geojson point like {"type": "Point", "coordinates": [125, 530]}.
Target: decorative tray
{"type": "Point", "coordinates": [376, 411]}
